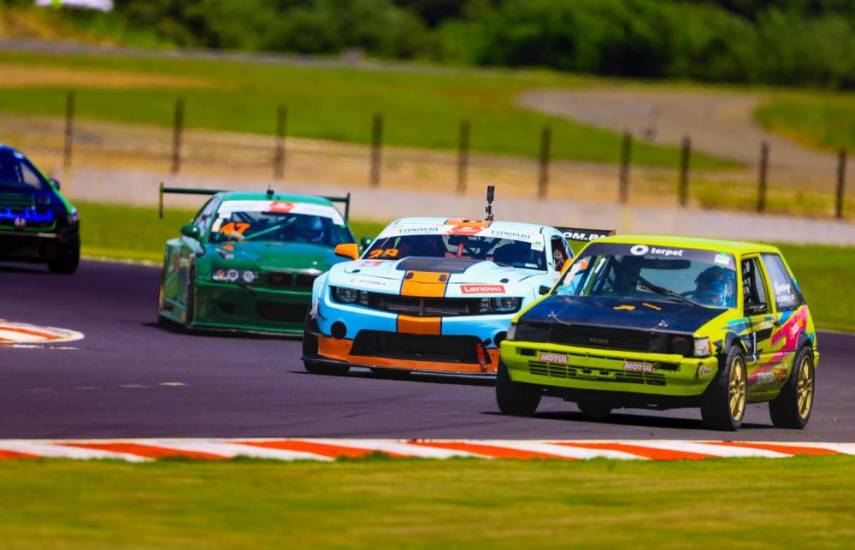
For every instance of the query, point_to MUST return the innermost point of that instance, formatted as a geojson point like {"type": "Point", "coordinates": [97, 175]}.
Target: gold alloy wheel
{"type": "Point", "coordinates": [804, 389]}
{"type": "Point", "coordinates": [736, 389]}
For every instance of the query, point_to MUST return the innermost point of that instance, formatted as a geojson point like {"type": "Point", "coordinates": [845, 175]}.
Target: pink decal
{"type": "Point", "coordinates": [482, 289]}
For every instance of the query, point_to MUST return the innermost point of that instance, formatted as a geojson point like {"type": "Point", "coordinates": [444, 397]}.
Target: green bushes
{"type": "Point", "coordinates": [801, 42]}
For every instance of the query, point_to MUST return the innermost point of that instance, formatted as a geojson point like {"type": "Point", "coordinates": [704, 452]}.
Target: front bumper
{"type": "Point", "coordinates": [380, 339]}
{"type": "Point", "coordinates": [575, 368]}
{"type": "Point", "coordinates": [35, 246]}
{"type": "Point", "coordinates": [250, 309]}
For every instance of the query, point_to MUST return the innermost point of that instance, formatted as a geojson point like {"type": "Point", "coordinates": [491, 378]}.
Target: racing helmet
{"type": "Point", "coordinates": [715, 285]}
{"type": "Point", "coordinates": [310, 229]}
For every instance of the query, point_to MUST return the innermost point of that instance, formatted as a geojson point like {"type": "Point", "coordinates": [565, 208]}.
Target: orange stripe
{"type": "Point", "coordinates": [784, 449]}
{"type": "Point", "coordinates": [487, 450]}
{"type": "Point", "coordinates": [14, 455]}
{"type": "Point", "coordinates": [323, 449]}
{"type": "Point", "coordinates": [419, 325]}
{"type": "Point", "coordinates": [639, 450]}
{"type": "Point", "coordinates": [147, 451]}
{"type": "Point", "coordinates": [424, 284]}
{"type": "Point", "coordinates": [339, 350]}
{"type": "Point", "coordinates": [45, 335]}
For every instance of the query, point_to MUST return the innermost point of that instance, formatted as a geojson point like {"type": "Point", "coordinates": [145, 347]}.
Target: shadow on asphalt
{"type": "Point", "coordinates": [36, 269]}
{"type": "Point", "coordinates": [419, 378]}
{"type": "Point", "coordinates": [174, 328]}
{"type": "Point", "coordinates": [638, 420]}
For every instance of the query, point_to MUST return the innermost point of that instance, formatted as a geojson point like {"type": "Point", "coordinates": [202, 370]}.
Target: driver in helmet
{"type": "Point", "coordinates": [310, 229]}
{"type": "Point", "coordinates": [714, 286]}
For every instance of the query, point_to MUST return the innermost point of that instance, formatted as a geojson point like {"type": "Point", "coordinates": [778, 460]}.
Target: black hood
{"type": "Point", "coordinates": [657, 316]}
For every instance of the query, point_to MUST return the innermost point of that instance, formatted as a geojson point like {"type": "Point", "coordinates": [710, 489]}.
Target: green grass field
{"type": "Point", "coordinates": [422, 108]}
{"type": "Point", "coordinates": [761, 503]}
{"type": "Point", "coordinates": [112, 231]}
{"type": "Point", "coordinates": [818, 120]}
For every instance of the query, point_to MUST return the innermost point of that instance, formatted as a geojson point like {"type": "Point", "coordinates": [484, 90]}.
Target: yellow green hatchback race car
{"type": "Point", "coordinates": [667, 322]}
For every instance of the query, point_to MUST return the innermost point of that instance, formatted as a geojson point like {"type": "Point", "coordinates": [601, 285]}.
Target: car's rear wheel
{"type": "Point", "coordinates": [66, 260]}
{"type": "Point", "coordinates": [310, 349]}
{"type": "Point", "coordinates": [515, 398]}
{"type": "Point", "coordinates": [792, 407]}
{"type": "Point", "coordinates": [594, 409]}
{"type": "Point", "coordinates": [723, 403]}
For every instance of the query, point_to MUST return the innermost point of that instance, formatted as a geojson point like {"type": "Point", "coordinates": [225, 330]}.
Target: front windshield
{"type": "Point", "coordinates": [641, 272]}
{"type": "Point", "coordinates": [504, 252]}
{"type": "Point", "coordinates": [17, 174]}
{"type": "Point", "coordinates": [277, 221]}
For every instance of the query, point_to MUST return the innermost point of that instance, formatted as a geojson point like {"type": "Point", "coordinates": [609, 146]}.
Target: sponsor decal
{"type": "Point", "coordinates": [482, 289]}
{"type": "Point", "coordinates": [643, 249]}
{"type": "Point", "coordinates": [639, 249]}
{"type": "Point", "coordinates": [651, 306]}
{"type": "Point", "coordinates": [722, 259]}
{"type": "Point", "coordinates": [704, 371]}
{"type": "Point", "coordinates": [370, 263]}
{"type": "Point", "coordinates": [624, 307]}
{"type": "Point", "coordinates": [280, 207]}
{"type": "Point", "coordinates": [465, 230]}
{"type": "Point", "coordinates": [637, 366]}
{"type": "Point", "coordinates": [550, 357]}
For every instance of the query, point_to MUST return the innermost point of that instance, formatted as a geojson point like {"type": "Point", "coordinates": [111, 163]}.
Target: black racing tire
{"type": "Point", "coordinates": [515, 398]}
{"type": "Point", "coordinates": [594, 409]}
{"type": "Point", "coordinates": [792, 408]}
{"type": "Point", "coordinates": [310, 348]}
{"type": "Point", "coordinates": [724, 401]}
{"type": "Point", "coordinates": [66, 260]}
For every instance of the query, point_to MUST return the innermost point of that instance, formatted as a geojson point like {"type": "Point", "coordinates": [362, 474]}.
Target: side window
{"type": "Point", "coordinates": [204, 215]}
{"type": "Point", "coordinates": [754, 291]}
{"type": "Point", "coordinates": [30, 177]}
{"type": "Point", "coordinates": [559, 251]}
{"type": "Point", "coordinates": [783, 287]}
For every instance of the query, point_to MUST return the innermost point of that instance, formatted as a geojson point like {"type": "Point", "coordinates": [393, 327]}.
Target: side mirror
{"type": "Point", "coordinates": [365, 242]}
{"type": "Point", "coordinates": [191, 231]}
{"type": "Point", "coordinates": [543, 290]}
{"type": "Point", "coordinates": [566, 265]}
{"type": "Point", "coordinates": [55, 183]}
{"type": "Point", "coordinates": [347, 250]}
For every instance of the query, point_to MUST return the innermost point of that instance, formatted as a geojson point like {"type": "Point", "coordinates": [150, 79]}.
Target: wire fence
{"type": "Point", "coordinates": [766, 187]}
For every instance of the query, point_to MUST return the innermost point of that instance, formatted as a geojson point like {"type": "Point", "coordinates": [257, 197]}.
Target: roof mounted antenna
{"type": "Point", "coordinates": [490, 194]}
{"type": "Point", "coordinates": [269, 191]}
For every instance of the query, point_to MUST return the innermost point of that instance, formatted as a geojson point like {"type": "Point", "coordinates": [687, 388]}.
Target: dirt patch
{"type": "Point", "coordinates": [19, 76]}
{"type": "Point", "coordinates": [719, 123]}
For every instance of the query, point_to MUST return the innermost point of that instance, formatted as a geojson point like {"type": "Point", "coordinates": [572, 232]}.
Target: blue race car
{"type": "Point", "coordinates": [37, 224]}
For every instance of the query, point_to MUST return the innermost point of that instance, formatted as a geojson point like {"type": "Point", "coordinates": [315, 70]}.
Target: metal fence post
{"type": "Point", "coordinates": [376, 145]}
{"type": "Point", "coordinates": [685, 154]}
{"type": "Point", "coordinates": [625, 158]}
{"type": "Point", "coordinates": [463, 156]}
{"type": "Point", "coordinates": [764, 169]}
{"type": "Point", "coordinates": [279, 152]}
{"type": "Point", "coordinates": [69, 129]}
{"type": "Point", "coordinates": [841, 184]}
{"type": "Point", "coordinates": [178, 127]}
{"type": "Point", "coordinates": [543, 168]}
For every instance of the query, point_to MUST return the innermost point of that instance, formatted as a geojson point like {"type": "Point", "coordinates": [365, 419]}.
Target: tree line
{"type": "Point", "coordinates": [793, 42]}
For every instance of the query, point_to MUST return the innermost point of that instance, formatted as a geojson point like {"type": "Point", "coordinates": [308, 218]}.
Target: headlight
{"type": "Point", "coordinates": [73, 216]}
{"type": "Point", "coordinates": [499, 305]}
{"type": "Point", "coordinates": [234, 275]}
{"type": "Point", "coordinates": [702, 347]}
{"type": "Point", "coordinates": [512, 331]}
{"type": "Point", "coordinates": [344, 295]}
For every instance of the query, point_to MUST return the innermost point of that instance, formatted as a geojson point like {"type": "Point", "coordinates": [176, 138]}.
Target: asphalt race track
{"type": "Point", "coordinates": [130, 378]}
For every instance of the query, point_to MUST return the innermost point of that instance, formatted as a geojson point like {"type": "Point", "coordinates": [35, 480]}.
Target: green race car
{"type": "Point", "coordinates": [666, 322]}
{"type": "Point", "coordinates": [248, 261]}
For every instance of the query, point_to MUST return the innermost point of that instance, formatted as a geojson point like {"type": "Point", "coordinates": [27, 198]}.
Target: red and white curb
{"type": "Point", "coordinates": [23, 334]}
{"type": "Point", "coordinates": [137, 450]}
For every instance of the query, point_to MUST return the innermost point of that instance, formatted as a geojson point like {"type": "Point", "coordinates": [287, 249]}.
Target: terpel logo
{"type": "Point", "coordinates": [642, 249]}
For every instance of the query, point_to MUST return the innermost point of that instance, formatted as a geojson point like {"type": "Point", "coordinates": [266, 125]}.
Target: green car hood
{"type": "Point", "coordinates": [269, 255]}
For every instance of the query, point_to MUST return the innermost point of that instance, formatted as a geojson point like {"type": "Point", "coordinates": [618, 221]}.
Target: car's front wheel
{"type": "Point", "coordinates": [310, 349]}
{"type": "Point", "coordinates": [66, 260]}
{"type": "Point", "coordinates": [792, 407]}
{"type": "Point", "coordinates": [723, 403]}
{"type": "Point", "coordinates": [513, 397]}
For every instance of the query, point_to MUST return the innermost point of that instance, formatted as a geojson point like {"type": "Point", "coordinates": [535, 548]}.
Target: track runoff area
{"type": "Point", "coordinates": [120, 387]}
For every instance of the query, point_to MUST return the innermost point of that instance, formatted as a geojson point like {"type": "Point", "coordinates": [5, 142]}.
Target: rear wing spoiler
{"type": "Point", "coordinates": [345, 200]}
{"type": "Point", "coordinates": [584, 234]}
